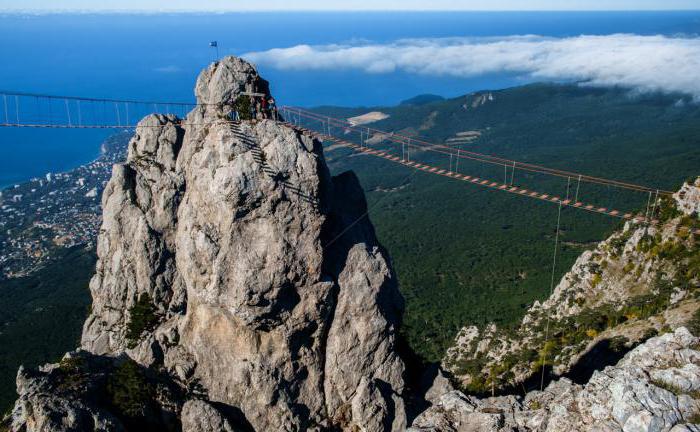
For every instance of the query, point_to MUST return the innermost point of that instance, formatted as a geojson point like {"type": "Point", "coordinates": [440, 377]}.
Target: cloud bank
{"type": "Point", "coordinates": [644, 63]}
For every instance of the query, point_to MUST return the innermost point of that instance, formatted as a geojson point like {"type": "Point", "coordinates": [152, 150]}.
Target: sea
{"type": "Point", "coordinates": [158, 57]}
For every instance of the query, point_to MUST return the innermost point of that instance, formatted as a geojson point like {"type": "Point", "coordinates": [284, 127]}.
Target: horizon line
{"type": "Point", "coordinates": [276, 10]}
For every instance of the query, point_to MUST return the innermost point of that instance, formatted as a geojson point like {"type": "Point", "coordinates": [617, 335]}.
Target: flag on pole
{"type": "Point", "coordinates": [215, 44]}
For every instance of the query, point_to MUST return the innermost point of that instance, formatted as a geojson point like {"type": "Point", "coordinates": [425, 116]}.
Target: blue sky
{"type": "Point", "coordinates": [248, 5]}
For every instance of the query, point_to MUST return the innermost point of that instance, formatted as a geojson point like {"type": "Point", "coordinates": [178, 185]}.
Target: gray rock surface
{"type": "Point", "coordinates": [137, 239]}
{"type": "Point", "coordinates": [688, 198]}
{"type": "Point", "coordinates": [200, 416]}
{"type": "Point", "coordinates": [641, 264]}
{"type": "Point", "coordinates": [77, 394]}
{"type": "Point", "coordinates": [270, 294]}
{"type": "Point", "coordinates": [653, 388]}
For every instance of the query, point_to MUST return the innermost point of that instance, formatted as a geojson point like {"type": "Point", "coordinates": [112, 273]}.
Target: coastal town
{"type": "Point", "coordinates": [60, 210]}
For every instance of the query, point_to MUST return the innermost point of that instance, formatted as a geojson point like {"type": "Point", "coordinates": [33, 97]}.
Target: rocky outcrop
{"type": "Point", "coordinates": [642, 280]}
{"type": "Point", "coordinates": [688, 198]}
{"type": "Point", "coordinates": [233, 263]}
{"type": "Point", "coordinates": [85, 392]}
{"type": "Point", "coordinates": [137, 238]}
{"type": "Point", "coordinates": [653, 388]}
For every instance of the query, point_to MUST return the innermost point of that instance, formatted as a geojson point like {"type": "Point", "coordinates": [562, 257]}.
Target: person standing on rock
{"type": "Point", "coordinates": [263, 108]}
{"type": "Point", "coordinates": [272, 105]}
{"type": "Point", "coordinates": [253, 109]}
{"type": "Point", "coordinates": [233, 115]}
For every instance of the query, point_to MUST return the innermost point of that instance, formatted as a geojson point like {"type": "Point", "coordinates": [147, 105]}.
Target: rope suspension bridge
{"type": "Point", "coordinates": [35, 110]}
{"type": "Point", "coordinates": [410, 146]}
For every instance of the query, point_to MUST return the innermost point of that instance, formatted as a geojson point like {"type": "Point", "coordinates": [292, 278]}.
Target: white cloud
{"type": "Point", "coordinates": [645, 63]}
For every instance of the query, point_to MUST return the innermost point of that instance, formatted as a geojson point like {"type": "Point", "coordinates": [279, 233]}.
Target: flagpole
{"type": "Point", "coordinates": [215, 44]}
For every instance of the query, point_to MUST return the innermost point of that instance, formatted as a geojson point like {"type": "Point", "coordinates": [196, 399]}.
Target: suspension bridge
{"type": "Point", "coordinates": [35, 110]}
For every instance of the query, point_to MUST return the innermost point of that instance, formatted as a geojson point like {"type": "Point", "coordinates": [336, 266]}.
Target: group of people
{"type": "Point", "coordinates": [263, 108]}
{"type": "Point", "coordinates": [260, 108]}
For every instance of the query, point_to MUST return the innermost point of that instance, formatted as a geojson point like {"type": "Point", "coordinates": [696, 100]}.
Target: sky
{"type": "Point", "coordinates": [254, 5]}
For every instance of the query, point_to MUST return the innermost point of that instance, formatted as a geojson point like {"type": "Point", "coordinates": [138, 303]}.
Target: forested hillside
{"type": "Point", "coordinates": [466, 255]}
{"type": "Point", "coordinates": [42, 315]}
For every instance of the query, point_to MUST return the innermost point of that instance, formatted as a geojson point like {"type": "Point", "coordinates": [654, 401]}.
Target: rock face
{"type": "Point", "coordinates": [230, 260]}
{"type": "Point", "coordinates": [653, 388]}
{"type": "Point", "coordinates": [688, 198]}
{"type": "Point", "coordinates": [640, 281]}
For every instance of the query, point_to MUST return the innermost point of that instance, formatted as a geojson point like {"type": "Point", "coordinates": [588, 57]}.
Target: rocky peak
{"type": "Point", "coordinates": [234, 268]}
{"type": "Point", "coordinates": [224, 81]}
{"type": "Point", "coordinates": [641, 281]}
{"type": "Point", "coordinates": [688, 198]}
{"type": "Point", "coordinates": [653, 388]}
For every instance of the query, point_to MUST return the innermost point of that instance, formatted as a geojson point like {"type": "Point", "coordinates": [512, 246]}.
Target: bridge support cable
{"type": "Point", "coordinates": [419, 143]}
{"type": "Point", "coordinates": [646, 216]}
{"type": "Point", "coordinates": [551, 291]}
{"type": "Point", "coordinates": [515, 190]}
{"type": "Point", "coordinates": [30, 109]}
{"type": "Point", "coordinates": [578, 186]}
{"type": "Point", "coordinates": [410, 144]}
{"type": "Point", "coordinates": [70, 123]}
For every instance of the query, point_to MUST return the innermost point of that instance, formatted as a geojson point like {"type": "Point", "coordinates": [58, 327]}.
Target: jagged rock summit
{"type": "Point", "coordinates": [653, 388]}
{"type": "Point", "coordinates": [239, 287]}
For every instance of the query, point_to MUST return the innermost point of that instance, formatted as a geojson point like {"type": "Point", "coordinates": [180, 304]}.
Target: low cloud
{"type": "Point", "coordinates": [644, 63]}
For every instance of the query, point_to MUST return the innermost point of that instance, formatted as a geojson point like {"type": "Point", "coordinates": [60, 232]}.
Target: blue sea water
{"type": "Point", "coordinates": [159, 57]}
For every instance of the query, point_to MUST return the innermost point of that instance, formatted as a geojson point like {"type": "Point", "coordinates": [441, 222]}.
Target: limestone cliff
{"type": "Point", "coordinates": [641, 281]}
{"type": "Point", "coordinates": [237, 280]}
{"type": "Point", "coordinates": [653, 388]}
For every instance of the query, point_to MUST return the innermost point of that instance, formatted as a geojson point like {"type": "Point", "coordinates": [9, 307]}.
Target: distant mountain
{"type": "Point", "coordinates": [422, 99]}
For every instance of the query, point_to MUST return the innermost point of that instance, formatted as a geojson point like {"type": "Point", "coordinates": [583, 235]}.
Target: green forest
{"type": "Point", "coordinates": [469, 255]}
{"type": "Point", "coordinates": [42, 315]}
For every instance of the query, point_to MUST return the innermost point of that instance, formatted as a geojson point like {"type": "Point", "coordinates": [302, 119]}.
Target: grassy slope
{"type": "Point", "coordinates": [468, 255]}
{"type": "Point", "coordinates": [41, 316]}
